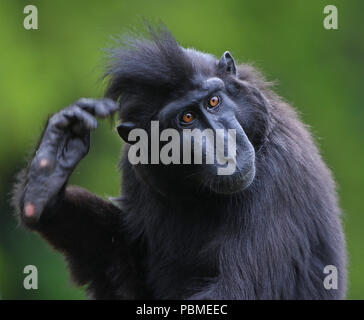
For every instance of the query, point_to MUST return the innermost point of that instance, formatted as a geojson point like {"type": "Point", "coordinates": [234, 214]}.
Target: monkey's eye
{"type": "Point", "coordinates": [213, 101]}
{"type": "Point", "coordinates": [188, 117]}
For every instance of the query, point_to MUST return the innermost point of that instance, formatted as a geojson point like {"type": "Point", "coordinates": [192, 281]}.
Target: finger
{"type": "Point", "coordinates": [67, 117]}
{"type": "Point", "coordinates": [84, 119]}
{"type": "Point", "coordinates": [112, 105]}
{"type": "Point", "coordinates": [99, 107]}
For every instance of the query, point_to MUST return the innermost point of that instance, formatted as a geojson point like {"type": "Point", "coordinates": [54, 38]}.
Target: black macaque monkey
{"type": "Point", "coordinates": [182, 231]}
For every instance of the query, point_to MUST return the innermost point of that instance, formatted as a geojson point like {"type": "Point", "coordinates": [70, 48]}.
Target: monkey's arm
{"type": "Point", "coordinates": [84, 227]}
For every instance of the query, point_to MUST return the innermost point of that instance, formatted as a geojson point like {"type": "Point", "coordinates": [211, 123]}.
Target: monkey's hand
{"type": "Point", "coordinates": [65, 141]}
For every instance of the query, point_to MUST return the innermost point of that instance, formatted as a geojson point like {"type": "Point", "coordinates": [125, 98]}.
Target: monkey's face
{"type": "Point", "coordinates": [214, 151]}
{"type": "Point", "coordinates": [195, 142]}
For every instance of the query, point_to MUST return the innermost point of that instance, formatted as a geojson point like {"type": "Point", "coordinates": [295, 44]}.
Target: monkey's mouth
{"type": "Point", "coordinates": [228, 184]}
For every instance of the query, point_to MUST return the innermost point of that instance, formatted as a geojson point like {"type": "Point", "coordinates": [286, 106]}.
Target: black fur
{"type": "Point", "coordinates": [271, 240]}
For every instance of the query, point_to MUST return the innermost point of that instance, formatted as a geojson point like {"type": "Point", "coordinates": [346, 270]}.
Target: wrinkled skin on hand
{"type": "Point", "coordinates": [66, 140]}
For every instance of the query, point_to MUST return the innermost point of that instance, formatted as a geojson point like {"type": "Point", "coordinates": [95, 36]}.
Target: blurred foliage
{"type": "Point", "coordinates": [320, 71]}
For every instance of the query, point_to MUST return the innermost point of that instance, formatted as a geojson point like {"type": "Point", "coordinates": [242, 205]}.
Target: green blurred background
{"type": "Point", "coordinates": [319, 71]}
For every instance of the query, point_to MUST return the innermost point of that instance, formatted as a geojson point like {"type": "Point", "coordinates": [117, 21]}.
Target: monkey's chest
{"type": "Point", "coordinates": [179, 258]}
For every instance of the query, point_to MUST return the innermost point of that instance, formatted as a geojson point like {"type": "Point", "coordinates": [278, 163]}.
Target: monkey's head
{"type": "Point", "coordinates": [192, 123]}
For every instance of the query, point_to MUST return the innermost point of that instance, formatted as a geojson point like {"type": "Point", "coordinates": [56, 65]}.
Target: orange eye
{"type": "Point", "coordinates": [188, 117]}
{"type": "Point", "coordinates": [214, 101]}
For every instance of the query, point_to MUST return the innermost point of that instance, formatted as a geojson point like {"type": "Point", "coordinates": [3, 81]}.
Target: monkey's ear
{"type": "Point", "coordinates": [124, 129]}
{"type": "Point", "coordinates": [227, 64]}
